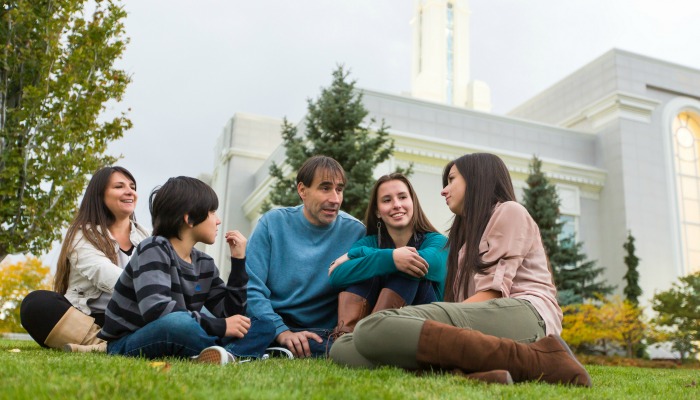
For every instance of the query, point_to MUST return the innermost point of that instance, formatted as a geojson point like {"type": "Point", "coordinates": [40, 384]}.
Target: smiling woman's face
{"type": "Point", "coordinates": [395, 205]}
{"type": "Point", "coordinates": [120, 196]}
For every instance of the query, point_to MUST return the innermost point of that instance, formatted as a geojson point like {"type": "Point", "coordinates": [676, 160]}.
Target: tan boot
{"type": "Point", "coordinates": [88, 348]}
{"type": "Point", "coordinates": [74, 327]}
{"type": "Point", "coordinates": [388, 299]}
{"type": "Point", "coordinates": [548, 359]}
{"type": "Point", "coordinates": [351, 309]}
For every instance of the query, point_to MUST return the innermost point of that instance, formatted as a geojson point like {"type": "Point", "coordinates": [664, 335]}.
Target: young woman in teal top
{"type": "Point", "coordinates": [401, 261]}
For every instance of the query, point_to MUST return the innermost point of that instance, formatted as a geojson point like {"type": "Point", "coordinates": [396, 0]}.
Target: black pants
{"type": "Point", "coordinates": [42, 309]}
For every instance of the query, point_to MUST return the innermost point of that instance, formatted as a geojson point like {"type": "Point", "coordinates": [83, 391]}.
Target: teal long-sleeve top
{"type": "Point", "coordinates": [367, 260]}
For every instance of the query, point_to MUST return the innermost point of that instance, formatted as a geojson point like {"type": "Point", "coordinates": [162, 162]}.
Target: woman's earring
{"type": "Point", "coordinates": [379, 233]}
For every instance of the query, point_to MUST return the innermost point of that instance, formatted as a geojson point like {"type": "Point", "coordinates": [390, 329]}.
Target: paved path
{"type": "Point", "coordinates": [16, 336]}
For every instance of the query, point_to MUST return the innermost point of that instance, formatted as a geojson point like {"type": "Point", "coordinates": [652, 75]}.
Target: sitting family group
{"type": "Point", "coordinates": [312, 280]}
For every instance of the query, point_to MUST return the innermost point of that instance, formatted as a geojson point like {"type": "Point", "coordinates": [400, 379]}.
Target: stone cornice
{"type": "Point", "coordinates": [614, 106]}
{"type": "Point", "coordinates": [251, 205]}
{"type": "Point", "coordinates": [431, 155]}
{"type": "Point", "coordinates": [229, 152]}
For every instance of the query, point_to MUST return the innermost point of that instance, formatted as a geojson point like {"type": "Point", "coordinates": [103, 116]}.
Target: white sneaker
{"type": "Point", "coordinates": [277, 352]}
{"type": "Point", "coordinates": [214, 355]}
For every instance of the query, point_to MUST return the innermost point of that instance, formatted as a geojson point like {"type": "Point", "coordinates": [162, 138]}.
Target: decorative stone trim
{"type": "Point", "coordinates": [614, 106]}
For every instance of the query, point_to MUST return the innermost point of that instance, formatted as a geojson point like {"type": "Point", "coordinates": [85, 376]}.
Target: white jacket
{"type": "Point", "coordinates": [91, 272]}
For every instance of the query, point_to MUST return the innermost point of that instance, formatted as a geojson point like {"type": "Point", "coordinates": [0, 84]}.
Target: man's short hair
{"type": "Point", "coordinates": [307, 172]}
{"type": "Point", "coordinates": [177, 197]}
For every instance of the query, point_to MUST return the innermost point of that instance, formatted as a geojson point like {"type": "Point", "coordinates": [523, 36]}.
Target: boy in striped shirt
{"type": "Point", "coordinates": [156, 307]}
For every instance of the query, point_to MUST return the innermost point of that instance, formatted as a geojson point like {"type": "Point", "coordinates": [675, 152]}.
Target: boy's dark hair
{"type": "Point", "coordinates": [179, 196]}
{"type": "Point", "coordinates": [330, 166]}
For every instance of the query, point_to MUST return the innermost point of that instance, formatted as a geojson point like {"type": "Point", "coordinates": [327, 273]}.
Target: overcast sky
{"type": "Point", "coordinates": [195, 64]}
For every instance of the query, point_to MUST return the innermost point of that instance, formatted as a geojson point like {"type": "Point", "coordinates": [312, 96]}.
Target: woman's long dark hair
{"type": "Point", "coordinates": [487, 183]}
{"type": "Point", "coordinates": [419, 221]}
{"type": "Point", "coordinates": [94, 220]}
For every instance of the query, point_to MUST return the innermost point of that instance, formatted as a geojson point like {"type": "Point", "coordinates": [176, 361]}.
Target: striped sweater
{"type": "Point", "coordinates": [157, 282]}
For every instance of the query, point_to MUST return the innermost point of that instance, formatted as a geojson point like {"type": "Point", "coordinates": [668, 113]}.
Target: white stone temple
{"type": "Point", "coordinates": [620, 138]}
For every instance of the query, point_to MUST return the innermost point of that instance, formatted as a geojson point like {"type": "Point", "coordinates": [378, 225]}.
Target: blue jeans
{"type": "Point", "coordinates": [413, 292]}
{"type": "Point", "coordinates": [178, 334]}
{"type": "Point", "coordinates": [317, 349]}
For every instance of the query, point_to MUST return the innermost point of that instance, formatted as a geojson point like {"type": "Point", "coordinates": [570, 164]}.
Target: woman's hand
{"type": "Point", "coordinates": [237, 326]}
{"type": "Point", "coordinates": [337, 262]}
{"type": "Point", "coordinates": [409, 262]}
{"type": "Point", "coordinates": [236, 242]}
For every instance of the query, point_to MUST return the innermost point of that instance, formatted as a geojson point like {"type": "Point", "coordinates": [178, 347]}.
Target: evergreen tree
{"type": "Point", "coordinates": [334, 128]}
{"type": "Point", "coordinates": [574, 275]}
{"type": "Point", "coordinates": [632, 290]}
{"type": "Point", "coordinates": [57, 74]}
{"type": "Point", "coordinates": [577, 278]}
{"type": "Point", "coordinates": [541, 200]}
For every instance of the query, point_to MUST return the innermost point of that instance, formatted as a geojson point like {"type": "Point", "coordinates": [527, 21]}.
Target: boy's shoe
{"type": "Point", "coordinates": [214, 355]}
{"type": "Point", "coordinates": [277, 352]}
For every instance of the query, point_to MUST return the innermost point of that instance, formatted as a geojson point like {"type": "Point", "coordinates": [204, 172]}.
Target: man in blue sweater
{"type": "Point", "coordinates": [289, 253]}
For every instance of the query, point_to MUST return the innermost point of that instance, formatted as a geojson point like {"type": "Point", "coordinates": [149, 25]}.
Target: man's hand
{"type": "Point", "coordinates": [298, 342]}
{"type": "Point", "coordinates": [337, 262]}
{"type": "Point", "coordinates": [237, 326]}
{"type": "Point", "coordinates": [236, 243]}
{"type": "Point", "coordinates": [409, 262]}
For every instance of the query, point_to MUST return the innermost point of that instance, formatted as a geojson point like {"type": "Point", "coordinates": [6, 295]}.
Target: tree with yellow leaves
{"type": "Point", "coordinates": [603, 323]}
{"type": "Point", "coordinates": [581, 325]}
{"type": "Point", "coordinates": [16, 281]}
{"type": "Point", "coordinates": [627, 322]}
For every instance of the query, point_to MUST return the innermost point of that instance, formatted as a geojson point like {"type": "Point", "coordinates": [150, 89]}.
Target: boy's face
{"type": "Point", "coordinates": [323, 198]}
{"type": "Point", "coordinates": [206, 231]}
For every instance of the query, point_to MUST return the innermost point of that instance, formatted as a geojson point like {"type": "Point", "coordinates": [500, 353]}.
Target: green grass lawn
{"type": "Point", "coordinates": [49, 374]}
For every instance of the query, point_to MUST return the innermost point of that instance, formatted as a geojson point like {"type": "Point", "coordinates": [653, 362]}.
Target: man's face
{"type": "Point", "coordinates": [323, 198]}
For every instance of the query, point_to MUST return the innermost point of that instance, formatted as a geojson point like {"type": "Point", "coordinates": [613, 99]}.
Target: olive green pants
{"type": "Point", "coordinates": [390, 337]}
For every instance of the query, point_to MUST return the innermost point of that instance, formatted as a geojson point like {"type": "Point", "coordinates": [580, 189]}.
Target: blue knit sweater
{"type": "Point", "coordinates": [287, 262]}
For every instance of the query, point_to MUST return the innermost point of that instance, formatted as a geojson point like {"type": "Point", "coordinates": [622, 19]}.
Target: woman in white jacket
{"type": "Point", "coordinates": [97, 246]}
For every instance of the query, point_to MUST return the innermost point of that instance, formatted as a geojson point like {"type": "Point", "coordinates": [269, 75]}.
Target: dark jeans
{"type": "Point", "coordinates": [317, 349]}
{"type": "Point", "coordinates": [178, 334]}
{"type": "Point", "coordinates": [413, 292]}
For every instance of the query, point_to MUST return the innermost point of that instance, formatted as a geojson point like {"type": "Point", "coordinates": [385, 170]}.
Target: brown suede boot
{"type": "Point", "coordinates": [74, 327]}
{"type": "Point", "coordinates": [548, 359]}
{"type": "Point", "coordinates": [351, 309]}
{"type": "Point", "coordinates": [388, 299]}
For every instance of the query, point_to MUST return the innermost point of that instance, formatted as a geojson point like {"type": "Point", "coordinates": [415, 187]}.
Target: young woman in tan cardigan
{"type": "Point", "coordinates": [500, 320]}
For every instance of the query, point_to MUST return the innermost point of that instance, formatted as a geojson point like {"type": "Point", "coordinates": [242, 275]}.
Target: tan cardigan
{"type": "Point", "coordinates": [511, 232]}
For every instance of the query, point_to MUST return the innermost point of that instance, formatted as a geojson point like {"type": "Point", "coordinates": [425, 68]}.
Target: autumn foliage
{"type": "Point", "coordinates": [603, 324]}
{"type": "Point", "coordinates": [16, 281]}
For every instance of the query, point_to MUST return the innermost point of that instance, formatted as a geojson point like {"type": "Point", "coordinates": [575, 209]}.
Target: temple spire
{"type": "Point", "coordinates": [440, 67]}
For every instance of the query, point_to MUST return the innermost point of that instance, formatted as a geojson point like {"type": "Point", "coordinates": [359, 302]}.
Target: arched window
{"type": "Point", "coordinates": [686, 150]}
